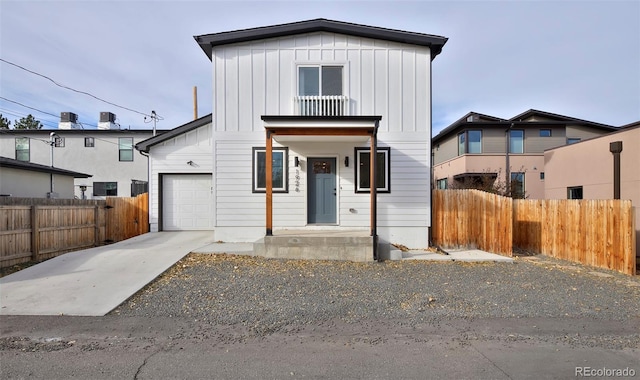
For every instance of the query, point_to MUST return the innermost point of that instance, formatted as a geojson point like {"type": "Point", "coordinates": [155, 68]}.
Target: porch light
{"type": "Point", "coordinates": [346, 161]}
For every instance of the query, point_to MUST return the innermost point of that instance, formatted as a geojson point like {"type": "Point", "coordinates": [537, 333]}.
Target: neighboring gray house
{"type": "Point", "coordinates": [106, 153]}
{"type": "Point", "coordinates": [317, 97]}
{"type": "Point", "coordinates": [29, 180]}
{"type": "Point", "coordinates": [477, 146]}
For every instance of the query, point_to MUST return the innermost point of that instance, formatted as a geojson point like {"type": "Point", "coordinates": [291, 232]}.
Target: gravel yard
{"type": "Point", "coordinates": [266, 295]}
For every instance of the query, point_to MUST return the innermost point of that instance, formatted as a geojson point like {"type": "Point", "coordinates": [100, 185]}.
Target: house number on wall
{"type": "Point", "coordinates": [297, 180]}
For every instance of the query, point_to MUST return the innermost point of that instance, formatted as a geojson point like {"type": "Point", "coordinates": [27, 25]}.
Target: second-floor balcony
{"type": "Point", "coordinates": [332, 105]}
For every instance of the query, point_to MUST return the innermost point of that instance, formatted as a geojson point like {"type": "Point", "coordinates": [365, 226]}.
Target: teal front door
{"type": "Point", "coordinates": [321, 180]}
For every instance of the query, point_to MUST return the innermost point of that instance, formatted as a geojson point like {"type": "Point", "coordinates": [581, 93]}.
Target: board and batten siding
{"type": "Point", "coordinates": [171, 157]}
{"type": "Point", "coordinates": [237, 206]}
{"type": "Point", "coordinates": [380, 78]}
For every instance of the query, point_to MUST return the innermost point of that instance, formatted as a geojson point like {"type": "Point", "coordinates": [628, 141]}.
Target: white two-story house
{"type": "Point", "coordinates": [298, 108]}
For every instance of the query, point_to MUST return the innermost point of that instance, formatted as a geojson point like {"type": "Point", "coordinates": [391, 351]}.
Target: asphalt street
{"type": "Point", "coordinates": [39, 347]}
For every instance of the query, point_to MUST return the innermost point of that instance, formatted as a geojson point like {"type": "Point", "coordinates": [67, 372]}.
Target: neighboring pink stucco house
{"type": "Point", "coordinates": [586, 170]}
{"type": "Point", "coordinates": [478, 145]}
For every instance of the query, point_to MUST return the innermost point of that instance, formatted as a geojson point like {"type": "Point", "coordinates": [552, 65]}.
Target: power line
{"type": "Point", "coordinates": [6, 111]}
{"type": "Point", "coordinates": [44, 112]}
{"type": "Point", "coordinates": [73, 89]}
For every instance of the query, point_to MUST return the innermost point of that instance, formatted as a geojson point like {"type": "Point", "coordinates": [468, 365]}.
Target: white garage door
{"type": "Point", "coordinates": [186, 202]}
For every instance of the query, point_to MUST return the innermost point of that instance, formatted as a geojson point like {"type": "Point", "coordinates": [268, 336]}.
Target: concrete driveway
{"type": "Point", "coordinates": [92, 282]}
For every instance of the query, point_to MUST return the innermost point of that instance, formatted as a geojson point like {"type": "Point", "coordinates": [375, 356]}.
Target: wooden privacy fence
{"type": "Point", "coordinates": [38, 229]}
{"type": "Point", "coordinates": [600, 233]}
{"type": "Point", "coordinates": [472, 219]}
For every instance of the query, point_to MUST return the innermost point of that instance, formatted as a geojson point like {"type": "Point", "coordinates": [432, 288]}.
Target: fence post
{"type": "Point", "coordinates": [96, 225]}
{"type": "Point", "coordinates": [35, 234]}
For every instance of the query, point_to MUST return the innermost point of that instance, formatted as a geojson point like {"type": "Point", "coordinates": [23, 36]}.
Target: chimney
{"type": "Point", "coordinates": [107, 121]}
{"type": "Point", "coordinates": [68, 120]}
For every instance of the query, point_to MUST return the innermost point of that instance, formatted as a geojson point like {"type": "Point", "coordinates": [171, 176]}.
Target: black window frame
{"type": "Point", "coordinates": [255, 157]}
{"type": "Point", "coordinates": [89, 142]}
{"type": "Point", "coordinates": [100, 189]}
{"type": "Point", "coordinates": [386, 152]}
{"type": "Point", "coordinates": [571, 190]}
{"type": "Point", "coordinates": [544, 134]}
{"type": "Point", "coordinates": [442, 180]}
{"type": "Point", "coordinates": [122, 150]}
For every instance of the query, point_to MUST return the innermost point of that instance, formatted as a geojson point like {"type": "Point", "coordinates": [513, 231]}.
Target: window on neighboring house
{"type": "Point", "coordinates": [105, 189]}
{"type": "Point", "coordinates": [139, 187]}
{"type": "Point", "coordinates": [22, 149]}
{"type": "Point", "coordinates": [542, 176]}
{"type": "Point", "coordinates": [545, 133]}
{"type": "Point", "coordinates": [278, 170]}
{"type": "Point", "coordinates": [462, 143]}
{"type": "Point", "coordinates": [572, 140]}
{"type": "Point", "coordinates": [574, 192]}
{"type": "Point", "coordinates": [475, 141]}
{"type": "Point", "coordinates": [125, 148]}
{"type": "Point", "coordinates": [89, 142]}
{"type": "Point", "coordinates": [516, 141]}
{"type": "Point", "coordinates": [58, 142]}
{"type": "Point", "coordinates": [517, 185]}
{"type": "Point", "coordinates": [363, 171]}
{"type": "Point", "coordinates": [470, 142]}
{"type": "Point", "coordinates": [441, 184]}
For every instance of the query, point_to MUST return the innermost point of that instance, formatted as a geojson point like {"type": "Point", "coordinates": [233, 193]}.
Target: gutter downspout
{"type": "Point", "coordinates": [616, 148]}
{"type": "Point", "coordinates": [507, 171]}
{"type": "Point", "coordinates": [146, 154]}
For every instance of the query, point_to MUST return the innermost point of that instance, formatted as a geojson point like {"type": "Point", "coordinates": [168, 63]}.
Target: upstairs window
{"type": "Point", "coordinates": [363, 171]}
{"type": "Point", "coordinates": [22, 149]}
{"type": "Point", "coordinates": [516, 141]}
{"type": "Point", "coordinates": [125, 148]}
{"type": "Point", "coordinates": [319, 80]}
{"type": "Point", "coordinates": [470, 142]}
{"type": "Point", "coordinates": [572, 140]}
{"type": "Point", "coordinates": [545, 133]}
{"type": "Point", "coordinates": [89, 142]}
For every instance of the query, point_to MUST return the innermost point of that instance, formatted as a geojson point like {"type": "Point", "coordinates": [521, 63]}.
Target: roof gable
{"type": "Point", "coordinates": [208, 41]}
{"type": "Point", "coordinates": [145, 145]}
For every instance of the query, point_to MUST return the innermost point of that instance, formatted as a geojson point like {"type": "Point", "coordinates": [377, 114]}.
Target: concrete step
{"type": "Point", "coordinates": [342, 247]}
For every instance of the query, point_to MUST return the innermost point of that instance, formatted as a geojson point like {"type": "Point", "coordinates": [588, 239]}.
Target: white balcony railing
{"type": "Point", "coordinates": [333, 105]}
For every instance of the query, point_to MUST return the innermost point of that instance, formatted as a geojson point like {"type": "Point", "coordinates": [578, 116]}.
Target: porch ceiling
{"type": "Point", "coordinates": [321, 129]}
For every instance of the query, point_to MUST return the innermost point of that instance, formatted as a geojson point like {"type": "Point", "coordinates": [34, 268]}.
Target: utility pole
{"type": "Point", "coordinates": [155, 118]}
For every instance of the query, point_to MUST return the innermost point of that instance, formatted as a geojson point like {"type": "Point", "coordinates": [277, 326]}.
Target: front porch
{"type": "Point", "coordinates": [345, 245]}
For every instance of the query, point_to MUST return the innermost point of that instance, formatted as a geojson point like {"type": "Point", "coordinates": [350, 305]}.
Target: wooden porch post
{"type": "Point", "coordinates": [269, 184]}
{"type": "Point", "coordinates": [373, 183]}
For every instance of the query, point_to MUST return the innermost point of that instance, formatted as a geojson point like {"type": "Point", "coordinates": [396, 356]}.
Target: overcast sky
{"type": "Point", "coordinates": [575, 58]}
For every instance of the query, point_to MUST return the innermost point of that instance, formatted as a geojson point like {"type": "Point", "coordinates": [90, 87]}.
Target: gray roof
{"type": "Point", "coordinates": [145, 145]}
{"type": "Point", "coordinates": [491, 121]}
{"type": "Point", "coordinates": [6, 162]}
{"type": "Point", "coordinates": [208, 41]}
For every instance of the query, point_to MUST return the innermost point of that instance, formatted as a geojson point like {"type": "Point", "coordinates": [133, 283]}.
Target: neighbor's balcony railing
{"type": "Point", "coordinates": [333, 105]}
